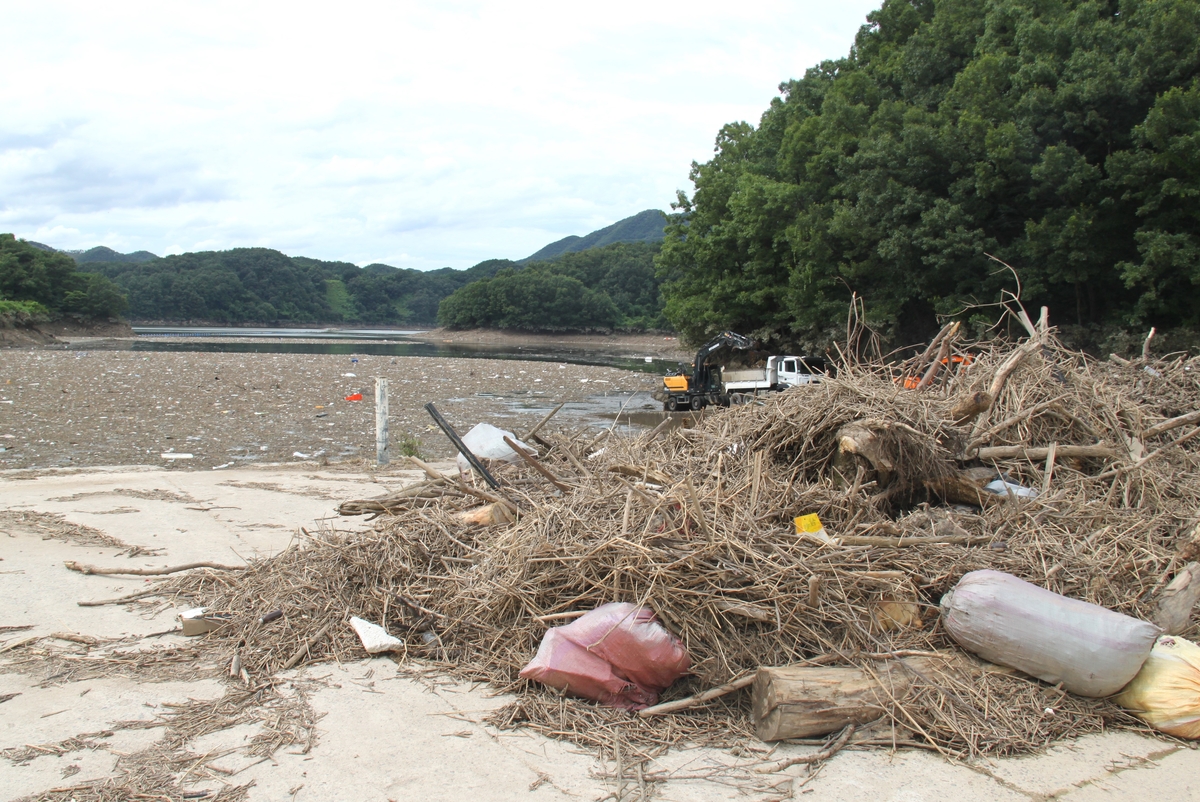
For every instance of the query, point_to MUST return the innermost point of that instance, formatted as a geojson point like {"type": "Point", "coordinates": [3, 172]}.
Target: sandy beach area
{"type": "Point", "coordinates": [84, 701]}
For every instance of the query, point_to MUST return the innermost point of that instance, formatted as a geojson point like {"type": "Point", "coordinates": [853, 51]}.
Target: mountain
{"type": "Point", "coordinates": [644, 226]}
{"type": "Point", "coordinates": [103, 254]}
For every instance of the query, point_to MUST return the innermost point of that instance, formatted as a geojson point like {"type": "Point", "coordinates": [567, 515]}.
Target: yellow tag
{"type": "Point", "coordinates": [808, 523]}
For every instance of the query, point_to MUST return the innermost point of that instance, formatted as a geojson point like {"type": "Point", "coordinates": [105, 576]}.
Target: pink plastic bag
{"type": "Point", "coordinates": [617, 654]}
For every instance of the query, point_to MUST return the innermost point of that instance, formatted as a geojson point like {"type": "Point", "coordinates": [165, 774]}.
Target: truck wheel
{"type": "Point", "coordinates": [697, 402]}
{"type": "Point", "coordinates": [671, 404]}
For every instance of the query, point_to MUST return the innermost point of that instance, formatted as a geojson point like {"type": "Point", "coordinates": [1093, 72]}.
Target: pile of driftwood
{"type": "Point", "coordinates": [1097, 466]}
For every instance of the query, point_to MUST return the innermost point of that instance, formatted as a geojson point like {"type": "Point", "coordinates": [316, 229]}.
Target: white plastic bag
{"type": "Point", "coordinates": [1091, 650]}
{"type": "Point", "coordinates": [487, 443]}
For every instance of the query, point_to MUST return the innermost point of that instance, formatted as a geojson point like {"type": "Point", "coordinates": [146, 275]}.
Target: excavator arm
{"type": "Point", "coordinates": [701, 373]}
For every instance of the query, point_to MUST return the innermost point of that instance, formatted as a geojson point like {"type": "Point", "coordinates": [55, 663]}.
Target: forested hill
{"type": "Point", "coordinates": [647, 226]}
{"type": "Point", "coordinates": [264, 286]}
{"type": "Point", "coordinates": [260, 285]}
{"type": "Point", "coordinates": [1062, 137]}
{"type": "Point", "coordinates": [613, 287]}
{"type": "Point", "coordinates": [38, 284]}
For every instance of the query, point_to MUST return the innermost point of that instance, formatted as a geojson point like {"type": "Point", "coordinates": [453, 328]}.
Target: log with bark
{"type": "Point", "coordinates": [804, 702]}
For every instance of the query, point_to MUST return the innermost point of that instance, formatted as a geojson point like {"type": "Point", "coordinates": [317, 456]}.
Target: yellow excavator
{"type": "Point", "coordinates": [703, 387]}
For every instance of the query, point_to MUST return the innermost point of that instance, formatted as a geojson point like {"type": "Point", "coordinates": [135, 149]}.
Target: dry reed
{"type": "Point", "coordinates": [697, 523]}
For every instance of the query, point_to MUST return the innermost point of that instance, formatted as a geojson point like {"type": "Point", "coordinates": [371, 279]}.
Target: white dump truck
{"type": "Point", "coordinates": [779, 373]}
{"type": "Point", "coordinates": [709, 385]}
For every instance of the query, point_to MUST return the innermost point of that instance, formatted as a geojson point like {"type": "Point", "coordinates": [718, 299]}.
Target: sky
{"type": "Point", "coordinates": [418, 135]}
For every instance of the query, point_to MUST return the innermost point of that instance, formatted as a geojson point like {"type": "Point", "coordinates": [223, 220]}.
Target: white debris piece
{"type": "Point", "coordinates": [487, 442]}
{"type": "Point", "coordinates": [375, 639]}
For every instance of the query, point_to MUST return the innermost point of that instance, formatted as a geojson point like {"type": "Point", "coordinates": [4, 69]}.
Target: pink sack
{"type": "Point", "coordinates": [617, 654]}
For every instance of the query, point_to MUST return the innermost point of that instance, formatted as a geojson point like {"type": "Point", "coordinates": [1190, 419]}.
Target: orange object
{"type": "Point", "coordinates": [354, 397]}
{"type": "Point", "coordinates": [952, 361]}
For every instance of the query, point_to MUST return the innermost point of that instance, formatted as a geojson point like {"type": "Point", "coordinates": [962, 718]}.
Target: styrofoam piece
{"type": "Point", "coordinates": [199, 620]}
{"type": "Point", "coordinates": [375, 639]}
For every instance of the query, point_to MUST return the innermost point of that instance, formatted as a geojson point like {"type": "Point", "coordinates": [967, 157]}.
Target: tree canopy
{"type": "Point", "coordinates": [1058, 136]}
{"type": "Point", "coordinates": [36, 283]}
{"type": "Point", "coordinates": [613, 287]}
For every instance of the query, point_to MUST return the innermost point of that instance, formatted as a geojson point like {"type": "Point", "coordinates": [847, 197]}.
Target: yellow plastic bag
{"type": "Point", "coordinates": [1166, 692]}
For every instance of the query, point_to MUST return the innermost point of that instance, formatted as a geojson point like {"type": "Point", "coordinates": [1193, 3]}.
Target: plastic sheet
{"type": "Point", "coordinates": [1091, 650]}
{"type": "Point", "coordinates": [487, 442]}
{"type": "Point", "coordinates": [617, 654]}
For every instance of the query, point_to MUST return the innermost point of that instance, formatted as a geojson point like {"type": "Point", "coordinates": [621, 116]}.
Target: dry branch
{"type": "Point", "coordinates": [174, 569]}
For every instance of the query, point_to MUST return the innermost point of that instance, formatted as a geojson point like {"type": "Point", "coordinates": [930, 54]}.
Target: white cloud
{"type": "Point", "coordinates": [394, 132]}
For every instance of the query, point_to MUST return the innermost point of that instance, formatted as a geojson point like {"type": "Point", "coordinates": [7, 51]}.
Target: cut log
{"type": "Point", "coordinates": [1178, 599]}
{"type": "Point", "coordinates": [804, 702]}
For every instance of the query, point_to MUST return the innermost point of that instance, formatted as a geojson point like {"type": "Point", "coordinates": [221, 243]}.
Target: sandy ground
{"type": "Point", "coordinates": [384, 735]}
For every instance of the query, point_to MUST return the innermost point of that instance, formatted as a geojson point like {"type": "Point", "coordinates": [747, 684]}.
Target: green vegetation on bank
{"type": "Point", "coordinates": [612, 287]}
{"type": "Point", "coordinates": [38, 285]}
{"type": "Point", "coordinates": [1060, 136]}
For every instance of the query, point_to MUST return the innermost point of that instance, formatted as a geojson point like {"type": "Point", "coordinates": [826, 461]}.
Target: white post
{"type": "Point", "coordinates": [381, 421]}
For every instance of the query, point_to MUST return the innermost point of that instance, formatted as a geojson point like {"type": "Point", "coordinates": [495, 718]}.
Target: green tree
{"type": "Point", "coordinates": [48, 285]}
{"type": "Point", "coordinates": [1057, 135]}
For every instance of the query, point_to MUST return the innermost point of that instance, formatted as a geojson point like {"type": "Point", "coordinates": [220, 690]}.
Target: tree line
{"type": "Point", "coordinates": [601, 288]}
{"type": "Point", "coordinates": [1058, 136]}
{"type": "Point", "coordinates": [39, 285]}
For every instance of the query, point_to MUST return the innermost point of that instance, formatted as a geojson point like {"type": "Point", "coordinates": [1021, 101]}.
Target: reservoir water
{"type": "Point", "coordinates": [366, 341]}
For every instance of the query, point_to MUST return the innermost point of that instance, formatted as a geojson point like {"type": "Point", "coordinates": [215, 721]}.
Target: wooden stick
{"type": "Point", "coordinates": [943, 354]}
{"type": "Point", "coordinates": [898, 542]}
{"type": "Point", "coordinates": [1049, 471]}
{"type": "Point", "coordinates": [1025, 452]}
{"type": "Point", "coordinates": [1011, 421]}
{"type": "Point", "coordinates": [657, 430]}
{"type": "Point", "coordinates": [560, 616]}
{"type": "Point", "coordinates": [486, 496]}
{"type": "Point", "coordinates": [698, 699]}
{"type": "Point", "coordinates": [75, 637]}
{"type": "Point", "coordinates": [92, 569]}
{"type": "Point", "coordinates": [308, 644]}
{"type": "Point", "coordinates": [1146, 344]}
{"type": "Point", "coordinates": [537, 466]}
{"type": "Point", "coordinates": [132, 597]}
{"type": "Point", "coordinates": [817, 757]}
{"type": "Point", "coordinates": [1172, 423]}
{"type": "Point", "coordinates": [543, 421]}
{"type": "Point", "coordinates": [430, 471]}
{"type": "Point", "coordinates": [1126, 469]}
{"type": "Point", "coordinates": [18, 644]}
{"type": "Point", "coordinates": [574, 460]}
{"type": "Point", "coordinates": [696, 511]}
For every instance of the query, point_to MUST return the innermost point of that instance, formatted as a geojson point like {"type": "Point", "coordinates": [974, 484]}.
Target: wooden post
{"type": "Point", "coordinates": [381, 421]}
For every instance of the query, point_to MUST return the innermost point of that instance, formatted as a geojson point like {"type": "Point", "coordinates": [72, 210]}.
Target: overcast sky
{"type": "Point", "coordinates": [415, 134]}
